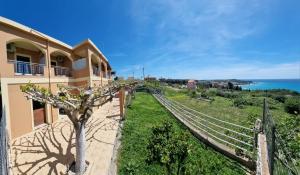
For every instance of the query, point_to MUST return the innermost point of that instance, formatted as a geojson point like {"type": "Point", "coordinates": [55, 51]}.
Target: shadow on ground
{"type": "Point", "coordinates": [51, 149]}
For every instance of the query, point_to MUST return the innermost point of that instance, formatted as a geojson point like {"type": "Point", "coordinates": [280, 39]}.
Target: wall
{"type": "Point", "coordinates": [19, 109]}
{"type": "Point", "coordinates": [21, 116]}
{"type": "Point", "coordinates": [8, 34]}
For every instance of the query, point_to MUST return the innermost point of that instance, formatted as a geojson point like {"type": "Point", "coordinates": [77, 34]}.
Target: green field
{"type": "Point", "coordinates": [224, 108]}
{"type": "Point", "coordinates": [287, 125]}
{"type": "Point", "coordinates": [146, 113]}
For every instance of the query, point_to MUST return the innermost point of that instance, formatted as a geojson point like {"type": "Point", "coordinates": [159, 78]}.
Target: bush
{"type": "Point", "coordinates": [168, 149]}
{"type": "Point", "coordinates": [225, 94]}
{"type": "Point", "coordinates": [192, 94]}
{"type": "Point", "coordinates": [212, 92]}
{"type": "Point", "coordinates": [240, 102]}
{"type": "Point", "coordinates": [280, 98]}
{"type": "Point", "coordinates": [131, 168]}
{"type": "Point", "coordinates": [204, 94]}
{"type": "Point", "coordinates": [292, 105]}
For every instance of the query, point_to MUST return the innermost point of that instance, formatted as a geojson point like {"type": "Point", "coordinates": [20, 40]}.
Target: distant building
{"type": "Point", "coordinates": [121, 78]}
{"type": "Point", "coordinates": [150, 78]}
{"type": "Point", "coordinates": [192, 84]}
{"type": "Point", "coordinates": [130, 78]}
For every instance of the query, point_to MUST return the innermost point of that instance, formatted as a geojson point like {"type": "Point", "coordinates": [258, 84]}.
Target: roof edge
{"type": "Point", "coordinates": [90, 42]}
{"type": "Point", "coordinates": [42, 35]}
{"type": "Point", "coordinates": [32, 31]}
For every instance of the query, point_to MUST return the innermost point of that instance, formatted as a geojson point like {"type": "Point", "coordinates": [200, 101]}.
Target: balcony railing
{"type": "Point", "coordinates": [103, 74]}
{"type": "Point", "coordinates": [62, 71]}
{"type": "Point", "coordinates": [26, 68]}
{"type": "Point", "coordinates": [96, 72]}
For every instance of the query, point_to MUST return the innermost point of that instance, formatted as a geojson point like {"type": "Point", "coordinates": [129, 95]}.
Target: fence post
{"type": "Point", "coordinates": [4, 147]}
{"type": "Point", "coordinates": [257, 129]}
{"type": "Point", "coordinates": [272, 153]}
{"type": "Point", "coordinates": [264, 115]}
{"type": "Point", "coordinates": [121, 101]}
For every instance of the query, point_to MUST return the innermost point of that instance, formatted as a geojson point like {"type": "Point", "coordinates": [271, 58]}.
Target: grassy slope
{"type": "Point", "coordinates": [223, 108]}
{"type": "Point", "coordinates": [146, 113]}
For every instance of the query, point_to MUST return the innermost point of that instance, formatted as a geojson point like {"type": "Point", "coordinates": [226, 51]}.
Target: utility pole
{"type": "Point", "coordinates": [143, 73]}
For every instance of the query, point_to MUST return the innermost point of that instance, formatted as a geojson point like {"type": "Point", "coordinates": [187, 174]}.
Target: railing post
{"type": "Point", "coordinates": [264, 115]}
{"type": "Point", "coordinates": [121, 101]}
{"type": "Point", "coordinates": [257, 129]}
{"type": "Point", "coordinates": [272, 151]}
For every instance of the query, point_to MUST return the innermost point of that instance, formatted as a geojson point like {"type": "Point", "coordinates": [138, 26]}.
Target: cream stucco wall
{"type": "Point", "coordinates": [18, 109]}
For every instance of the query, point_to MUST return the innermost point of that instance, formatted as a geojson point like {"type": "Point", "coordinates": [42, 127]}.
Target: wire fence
{"type": "Point", "coordinates": [235, 136]}
{"type": "Point", "coordinates": [238, 137]}
{"type": "Point", "coordinates": [280, 160]}
{"type": "Point", "coordinates": [3, 144]}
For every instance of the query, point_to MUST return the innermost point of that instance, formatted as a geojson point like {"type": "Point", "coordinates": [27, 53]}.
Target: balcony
{"type": "Point", "coordinates": [62, 71]}
{"type": "Point", "coordinates": [27, 68]}
{"type": "Point", "coordinates": [96, 72]}
{"type": "Point", "coordinates": [104, 74]}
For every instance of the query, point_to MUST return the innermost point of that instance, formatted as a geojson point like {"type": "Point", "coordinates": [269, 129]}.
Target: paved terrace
{"type": "Point", "coordinates": [51, 148]}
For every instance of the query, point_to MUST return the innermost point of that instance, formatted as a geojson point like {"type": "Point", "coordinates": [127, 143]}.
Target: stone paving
{"type": "Point", "coordinates": [50, 149]}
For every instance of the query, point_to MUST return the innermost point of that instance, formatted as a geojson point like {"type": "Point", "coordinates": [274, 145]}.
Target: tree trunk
{"type": "Point", "coordinates": [80, 148]}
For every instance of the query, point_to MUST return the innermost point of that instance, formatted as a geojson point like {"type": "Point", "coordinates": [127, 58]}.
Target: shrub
{"type": "Point", "coordinates": [280, 98]}
{"type": "Point", "coordinates": [212, 92]}
{"type": "Point", "coordinates": [204, 95]}
{"type": "Point", "coordinates": [292, 105]}
{"type": "Point", "coordinates": [240, 102]}
{"type": "Point", "coordinates": [192, 94]}
{"type": "Point", "coordinates": [167, 148]}
{"type": "Point", "coordinates": [225, 94]}
{"type": "Point", "coordinates": [131, 168]}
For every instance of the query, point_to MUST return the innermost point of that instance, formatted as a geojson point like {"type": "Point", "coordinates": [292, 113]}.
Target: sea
{"type": "Point", "coordinates": [267, 84]}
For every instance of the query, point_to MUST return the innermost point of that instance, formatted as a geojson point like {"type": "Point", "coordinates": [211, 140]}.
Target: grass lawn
{"type": "Point", "coordinates": [145, 113]}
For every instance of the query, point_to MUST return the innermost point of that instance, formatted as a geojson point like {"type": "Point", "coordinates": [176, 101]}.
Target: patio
{"type": "Point", "coordinates": [50, 149]}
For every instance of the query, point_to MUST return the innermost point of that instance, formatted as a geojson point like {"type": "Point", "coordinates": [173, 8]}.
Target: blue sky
{"type": "Point", "coordinates": [198, 39]}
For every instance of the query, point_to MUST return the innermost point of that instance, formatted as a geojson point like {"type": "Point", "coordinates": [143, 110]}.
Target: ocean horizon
{"type": "Point", "coordinates": [267, 84]}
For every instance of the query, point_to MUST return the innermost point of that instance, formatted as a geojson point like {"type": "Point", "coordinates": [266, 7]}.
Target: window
{"type": "Point", "coordinates": [23, 58]}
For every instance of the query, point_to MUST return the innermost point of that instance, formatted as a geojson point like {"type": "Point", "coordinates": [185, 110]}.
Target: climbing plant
{"type": "Point", "coordinates": [78, 104]}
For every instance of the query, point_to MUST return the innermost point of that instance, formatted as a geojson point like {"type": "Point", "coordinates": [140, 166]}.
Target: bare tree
{"type": "Point", "coordinates": [78, 104]}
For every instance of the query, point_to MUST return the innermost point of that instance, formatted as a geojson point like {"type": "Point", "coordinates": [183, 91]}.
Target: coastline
{"type": "Point", "coordinates": [270, 84]}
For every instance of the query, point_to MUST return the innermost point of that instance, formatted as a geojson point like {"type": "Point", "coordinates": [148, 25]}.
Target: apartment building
{"type": "Point", "coordinates": [27, 55]}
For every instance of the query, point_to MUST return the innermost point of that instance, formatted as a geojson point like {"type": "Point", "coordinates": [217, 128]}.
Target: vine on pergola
{"type": "Point", "coordinates": [78, 104]}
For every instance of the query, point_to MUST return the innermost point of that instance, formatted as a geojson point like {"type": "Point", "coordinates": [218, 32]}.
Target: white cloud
{"type": "Point", "coordinates": [243, 71]}
{"type": "Point", "coordinates": [184, 25]}
{"type": "Point", "coordinates": [194, 39]}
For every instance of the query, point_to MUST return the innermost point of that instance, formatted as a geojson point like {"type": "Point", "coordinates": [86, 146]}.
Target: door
{"type": "Point", "coordinates": [39, 113]}
{"type": "Point", "coordinates": [53, 63]}
{"type": "Point", "coordinates": [56, 69]}
{"type": "Point", "coordinates": [23, 64]}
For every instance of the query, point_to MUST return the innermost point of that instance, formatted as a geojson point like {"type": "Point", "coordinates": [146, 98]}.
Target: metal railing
{"type": "Point", "coordinates": [230, 134]}
{"type": "Point", "coordinates": [61, 71]}
{"type": "Point", "coordinates": [96, 71]}
{"type": "Point", "coordinates": [26, 68]}
{"type": "Point", "coordinates": [103, 74]}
